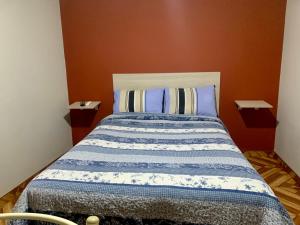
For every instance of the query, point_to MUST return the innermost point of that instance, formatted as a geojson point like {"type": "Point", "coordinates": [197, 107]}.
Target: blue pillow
{"type": "Point", "coordinates": [196, 101]}
{"type": "Point", "coordinates": [148, 100]}
{"type": "Point", "coordinates": [207, 101]}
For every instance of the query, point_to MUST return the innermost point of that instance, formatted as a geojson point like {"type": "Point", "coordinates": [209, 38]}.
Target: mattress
{"type": "Point", "coordinates": [140, 168]}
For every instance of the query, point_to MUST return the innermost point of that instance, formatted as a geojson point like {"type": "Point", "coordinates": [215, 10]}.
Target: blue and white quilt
{"type": "Point", "coordinates": [138, 168]}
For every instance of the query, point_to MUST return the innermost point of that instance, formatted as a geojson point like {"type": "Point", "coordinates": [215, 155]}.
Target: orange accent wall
{"type": "Point", "coordinates": [240, 38]}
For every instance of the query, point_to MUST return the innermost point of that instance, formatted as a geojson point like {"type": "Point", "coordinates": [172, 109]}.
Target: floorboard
{"type": "Point", "coordinates": [280, 178]}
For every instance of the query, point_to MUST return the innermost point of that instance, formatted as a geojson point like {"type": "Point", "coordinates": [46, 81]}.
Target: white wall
{"type": "Point", "coordinates": [287, 144]}
{"type": "Point", "coordinates": [33, 89]}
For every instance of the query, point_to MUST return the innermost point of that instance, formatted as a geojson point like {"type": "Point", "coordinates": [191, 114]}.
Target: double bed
{"type": "Point", "coordinates": [155, 168]}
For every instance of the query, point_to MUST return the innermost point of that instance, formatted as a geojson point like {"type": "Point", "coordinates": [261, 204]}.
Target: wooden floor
{"type": "Point", "coordinates": [282, 180]}
{"type": "Point", "coordinates": [273, 170]}
{"type": "Point", "coordinates": [8, 201]}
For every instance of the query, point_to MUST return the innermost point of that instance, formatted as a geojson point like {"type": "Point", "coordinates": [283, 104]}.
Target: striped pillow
{"type": "Point", "coordinates": [181, 100]}
{"type": "Point", "coordinates": [148, 100]}
{"type": "Point", "coordinates": [196, 101]}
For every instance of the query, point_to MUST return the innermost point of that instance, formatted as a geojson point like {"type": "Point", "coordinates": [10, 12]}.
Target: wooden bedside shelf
{"type": "Point", "coordinates": [89, 105]}
{"type": "Point", "coordinates": [252, 104]}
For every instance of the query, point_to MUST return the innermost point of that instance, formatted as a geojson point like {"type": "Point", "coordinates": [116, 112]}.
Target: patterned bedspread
{"type": "Point", "coordinates": [156, 169]}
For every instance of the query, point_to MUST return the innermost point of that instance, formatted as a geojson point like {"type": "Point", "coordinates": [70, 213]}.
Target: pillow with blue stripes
{"type": "Point", "coordinates": [195, 101]}
{"type": "Point", "coordinates": [143, 100]}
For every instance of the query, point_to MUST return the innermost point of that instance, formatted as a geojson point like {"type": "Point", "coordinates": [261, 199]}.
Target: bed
{"type": "Point", "coordinates": [145, 168]}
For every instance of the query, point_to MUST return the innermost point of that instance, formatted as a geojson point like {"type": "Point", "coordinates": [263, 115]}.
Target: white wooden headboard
{"type": "Point", "coordinates": [157, 80]}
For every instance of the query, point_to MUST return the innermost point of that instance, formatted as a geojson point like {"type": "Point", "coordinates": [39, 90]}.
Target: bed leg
{"type": "Point", "coordinates": [92, 220]}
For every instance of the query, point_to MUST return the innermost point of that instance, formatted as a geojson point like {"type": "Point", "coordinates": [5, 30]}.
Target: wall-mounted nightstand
{"type": "Point", "coordinates": [87, 105]}
{"type": "Point", "coordinates": [252, 104]}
